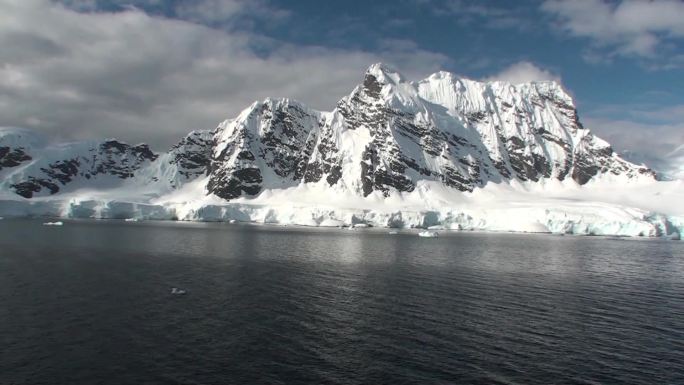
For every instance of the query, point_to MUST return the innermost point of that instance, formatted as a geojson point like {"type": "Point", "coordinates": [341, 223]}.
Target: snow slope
{"type": "Point", "coordinates": [444, 151]}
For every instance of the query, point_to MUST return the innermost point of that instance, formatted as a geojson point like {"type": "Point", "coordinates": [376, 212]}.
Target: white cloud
{"type": "Point", "coordinates": [629, 28]}
{"type": "Point", "coordinates": [664, 114]}
{"type": "Point", "coordinates": [143, 78]}
{"type": "Point", "coordinates": [209, 10]}
{"type": "Point", "coordinates": [523, 72]}
{"type": "Point", "coordinates": [481, 14]}
{"type": "Point", "coordinates": [218, 11]}
{"type": "Point", "coordinates": [81, 5]}
{"type": "Point", "coordinates": [652, 134]}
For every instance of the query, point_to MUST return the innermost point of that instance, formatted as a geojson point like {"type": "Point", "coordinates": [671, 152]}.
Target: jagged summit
{"type": "Point", "coordinates": [385, 137]}
{"type": "Point", "coordinates": [385, 74]}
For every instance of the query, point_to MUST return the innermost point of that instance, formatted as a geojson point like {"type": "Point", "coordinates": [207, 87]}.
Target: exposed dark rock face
{"type": "Point", "coordinates": [285, 138]}
{"type": "Point", "coordinates": [12, 157]}
{"type": "Point", "coordinates": [63, 170]}
{"type": "Point", "coordinates": [275, 137]}
{"type": "Point", "coordinates": [192, 154]}
{"type": "Point", "coordinates": [402, 141]}
{"type": "Point", "coordinates": [118, 159]}
{"type": "Point", "coordinates": [371, 86]}
{"type": "Point", "coordinates": [229, 184]}
{"type": "Point", "coordinates": [33, 185]}
{"type": "Point", "coordinates": [111, 157]}
{"type": "Point", "coordinates": [325, 160]}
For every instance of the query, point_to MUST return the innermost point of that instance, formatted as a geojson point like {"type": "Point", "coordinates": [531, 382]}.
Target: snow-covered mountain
{"type": "Point", "coordinates": [390, 133]}
{"type": "Point", "coordinates": [29, 167]}
{"type": "Point", "coordinates": [389, 139]}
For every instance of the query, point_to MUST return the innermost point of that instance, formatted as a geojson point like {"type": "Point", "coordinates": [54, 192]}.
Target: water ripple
{"type": "Point", "coordinates": [91, 304]}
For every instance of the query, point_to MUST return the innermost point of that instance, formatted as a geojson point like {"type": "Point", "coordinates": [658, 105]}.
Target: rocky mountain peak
{"type": "Point", "coordinates": [384, 74]}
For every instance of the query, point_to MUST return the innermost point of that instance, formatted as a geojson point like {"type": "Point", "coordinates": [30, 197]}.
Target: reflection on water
{"type": "Point", "coordinates": [89, 302]}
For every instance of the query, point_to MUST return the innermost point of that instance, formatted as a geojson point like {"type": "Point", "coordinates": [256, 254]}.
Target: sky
{"type": "Point", "coordinates": [152, 70]}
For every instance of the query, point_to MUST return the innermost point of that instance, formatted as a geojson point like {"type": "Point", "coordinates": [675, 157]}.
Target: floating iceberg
{"type": "Point", "coordinates": [177, 291]}
{"type": "Point", "coordinates": [58, 223]}
{"type": "Point", "coordinates": [428, 234]}
{"type": "Point", "coordinates": [436, 227]}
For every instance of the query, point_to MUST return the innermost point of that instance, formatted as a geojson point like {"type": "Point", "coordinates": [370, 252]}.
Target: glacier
{"type": "Point", "coordinates": [441, 153]}
{"type": "Point", "coordinates": [581, 210]}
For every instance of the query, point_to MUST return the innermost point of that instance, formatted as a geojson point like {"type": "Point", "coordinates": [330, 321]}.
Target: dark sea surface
{"type": "Point", "coordinates": [90, 303]}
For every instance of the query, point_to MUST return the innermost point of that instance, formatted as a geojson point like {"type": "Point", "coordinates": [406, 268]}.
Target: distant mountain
{"type": "Point", "coordinates": [29, 167]}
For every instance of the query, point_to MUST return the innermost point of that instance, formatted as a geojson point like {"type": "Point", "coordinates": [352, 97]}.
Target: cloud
{"type": "Point", "coordinates": [524, 72]}
{"type": "Point", "coordinates": [209, 10]}
{"type": "Point", "coordinates": [140, 77]}
{"type": "Point", "coordinates": [217, 12]}
{"type": "Point", "coordinates": [663, 115]}
{"type": "Point", "coordinates": [81, 5]}
{"type": "Point", "coordinates": [472, 13]}
{"type": "Point", "coordinates": [641, 29]}
{"type": "Point", "coordinates": [654, 135]}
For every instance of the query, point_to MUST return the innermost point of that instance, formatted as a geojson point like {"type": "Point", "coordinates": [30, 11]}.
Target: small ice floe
{"type": "Point", "coordinates": [58, 223]}
{"type": "Point", "coordinates": [132, 219]}
{"type": "Point", "coordinates": [177, 291]}
{"type": "Point", "coordinates": [361, 225]}
{"type": "Point", "coordinates": [232, 221]}
{"type": "Point", "coordinates": [1, 218]}
{"type": "Point", "coordinates": [393, 232]}
{"type": "Point", "coordinates": [428, 234]}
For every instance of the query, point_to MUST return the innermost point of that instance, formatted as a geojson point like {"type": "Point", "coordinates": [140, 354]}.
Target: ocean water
{"type": "Point", "coordinates": [90, 303]}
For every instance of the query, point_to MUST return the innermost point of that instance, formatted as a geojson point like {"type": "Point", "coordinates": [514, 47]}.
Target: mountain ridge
{"type": "Point", "coordinates": [385, 136]}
